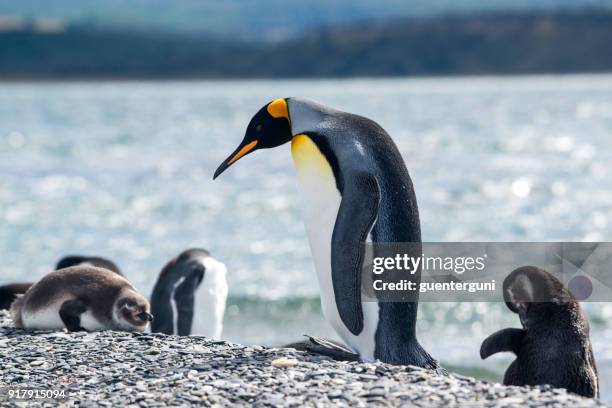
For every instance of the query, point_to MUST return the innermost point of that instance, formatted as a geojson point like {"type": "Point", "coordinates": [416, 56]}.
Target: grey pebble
{"type": "Point", "coordinates": [117, 369]}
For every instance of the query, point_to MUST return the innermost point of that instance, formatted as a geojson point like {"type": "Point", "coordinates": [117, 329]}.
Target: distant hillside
{"type": "Point", "coordinates": [508, 43]}
{"type": "Point", "coordinates": [270, 19]}
{"type": "Point", "coordinates": [502, 43]}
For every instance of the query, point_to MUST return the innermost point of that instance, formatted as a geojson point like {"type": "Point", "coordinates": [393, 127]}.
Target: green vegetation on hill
{"type": "Point", "coordinates": [503, 43]}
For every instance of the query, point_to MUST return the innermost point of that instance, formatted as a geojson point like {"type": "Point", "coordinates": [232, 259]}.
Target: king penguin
{"type": "Point", "coordinates": [356, 189]}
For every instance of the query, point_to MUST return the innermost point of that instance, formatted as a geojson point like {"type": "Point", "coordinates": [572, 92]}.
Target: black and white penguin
{"type": "Point", "coordinates": [82, 298]}
{"type": "Point", "coordinates": [356, 189]}
{"type": "Point", "coordinates": [9, 292]}
{"type": "Point", "coordinates": [553, 347]}
{"type": "Point", "coordinates": [191, 281]}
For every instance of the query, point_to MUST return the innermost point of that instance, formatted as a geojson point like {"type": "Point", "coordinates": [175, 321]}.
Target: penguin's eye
{"type": "Point", "coordinates": [258, 128]}
{"type": "Point", "coordinates": [130, 305]}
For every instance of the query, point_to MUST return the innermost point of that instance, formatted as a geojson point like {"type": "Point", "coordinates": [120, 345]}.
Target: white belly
{"type": "Point", "coordinates": [90, 323]}
{"type": "Point", "coordinates": [321, 205]}
{"type": "Point", "coordinates": [48, 318]}
{"type": "Point", "coordinates": [210, 300]}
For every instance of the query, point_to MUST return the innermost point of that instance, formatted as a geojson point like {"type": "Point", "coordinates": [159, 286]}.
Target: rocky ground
{"type": "Point", "coordinates": [118, 369]}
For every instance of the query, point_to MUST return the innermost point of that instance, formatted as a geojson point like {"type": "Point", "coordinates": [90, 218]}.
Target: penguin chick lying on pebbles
{"type": "Point", "coordinates": [553, 346]}
{"type": "Point", "coordinates": [82, 298]}
{"type": "Point", "coordinates": [8, 293]}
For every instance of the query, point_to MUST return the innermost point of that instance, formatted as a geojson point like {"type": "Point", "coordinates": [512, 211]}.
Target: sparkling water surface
{"type": "Point", "coordinates": [124, 170]}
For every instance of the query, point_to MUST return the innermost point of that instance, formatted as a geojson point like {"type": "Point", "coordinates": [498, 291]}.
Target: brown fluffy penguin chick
{"type": "Point", "coordinates": [553, 347]}
{"type": "Point", "coordinates": [8, 293]}
{"type": "Point", "coordinates": [82, 298]}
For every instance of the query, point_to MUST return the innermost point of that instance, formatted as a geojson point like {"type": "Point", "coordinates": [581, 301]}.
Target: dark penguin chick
{"type": "Point", "coordinates": [82, 298]}
{"type": "Point", "coordinates": [174, 298]}
{"type": "Point", "coordinates": [356, 189]}
{"type": "Point", "coordinates": [8, 293]}
{"type": "Point", "coordinates": [74, 260]}
{"type": "Point", "coordinates": [553, 347]}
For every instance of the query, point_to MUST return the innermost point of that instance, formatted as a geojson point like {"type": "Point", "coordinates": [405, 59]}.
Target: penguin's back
{"type": "Point", "coordinates": [355, 147]}
{"type": "Point", "coordinates": [570, 366]}
{"type": "Point", "coordinates": [559, 353]}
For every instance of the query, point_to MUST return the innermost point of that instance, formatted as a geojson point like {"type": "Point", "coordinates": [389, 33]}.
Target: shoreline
{"type": "Point", "coordinates": [142, 369]}
{"type": "Point", "coordinates": [322, 79]}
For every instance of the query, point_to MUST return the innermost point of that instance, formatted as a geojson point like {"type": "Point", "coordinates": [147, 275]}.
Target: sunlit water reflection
{"type": "Point", "coordinates": [123, 170]}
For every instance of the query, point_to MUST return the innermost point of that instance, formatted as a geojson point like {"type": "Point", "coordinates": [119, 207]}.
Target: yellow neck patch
{"type": "Point", "coordinates": [307, 157]}
{"type": "Point", "coordinates": [278, 109]}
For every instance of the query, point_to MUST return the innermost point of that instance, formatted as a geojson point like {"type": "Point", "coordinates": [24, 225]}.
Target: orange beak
{"type": "Point", "coordinates": [240, 151]}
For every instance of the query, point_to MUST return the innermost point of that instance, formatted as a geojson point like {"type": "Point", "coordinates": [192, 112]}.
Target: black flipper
{"type": "Point", "coordinates": [70, 312]}
{"type": "Point", "coordinates": [502, 340]}
{"type": "Point", "coordinates": [357, 213]}
{"type": "Point", "coordinates": [324, 347]}
{"type": "Point", "coordinates": [8, 293]}
{"type": "Point", "coordinates": [185, 300]}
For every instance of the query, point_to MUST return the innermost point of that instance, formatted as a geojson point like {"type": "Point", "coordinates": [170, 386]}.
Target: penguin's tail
{"type": "Point", "coordinates": [16, 310]}
{"type": "Point", "coordinates": [425, 360]}
{"type": "Point", "coordinates": [324, 347]}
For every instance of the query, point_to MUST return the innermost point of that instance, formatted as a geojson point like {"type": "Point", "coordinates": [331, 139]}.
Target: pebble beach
{"type": "Point", "coordinates": [152, 370]}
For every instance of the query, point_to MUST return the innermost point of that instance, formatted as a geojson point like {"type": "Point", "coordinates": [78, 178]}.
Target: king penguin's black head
{"type": "Point", "coordinates": [270, 127]}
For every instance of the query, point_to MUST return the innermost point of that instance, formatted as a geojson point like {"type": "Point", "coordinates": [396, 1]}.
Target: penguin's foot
{"type": "Point", "coordinates": [324, 347]}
